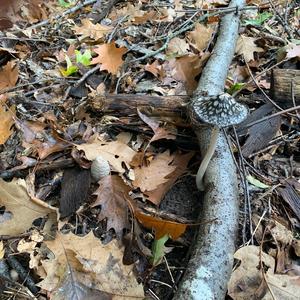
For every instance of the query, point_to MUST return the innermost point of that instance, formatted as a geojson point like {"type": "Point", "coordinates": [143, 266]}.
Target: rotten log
{"type": "Point", "coordinates": [285, 87]}
{"type": "Point", "coordinates": [125, 105]}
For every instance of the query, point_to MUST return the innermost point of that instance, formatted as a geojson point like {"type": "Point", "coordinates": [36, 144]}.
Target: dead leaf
{"type": "Point", "coordinates": [246, 46]}
{"type": "Point", "coordinates": [21, 209]}
{"type": "Point", "coordinates": [156, 69]}
{"type": "Point", "coordinates": [293, 51]}
{"type": "Point", "coordinates": [93, 31]}
{"type": "Point", "coordinates": [110, 57]}
{"type": "Point", "coordinates": [147, 178]}
{"type": "Point", "coordinates": [159, 132]}
{"type": "Point", "coordinates": [177, 47]}
{"type": "Point", "coordinates": [115, 152]}
{"type": "Point", "coordinates": [180, 161]}
{"type": "Point", "coordinates": [246, 280]}
{"type": "Point", "coordinates": [9, 75]}
{"type": "Point", "coordinates": [7, 120]}
{"type": "Point", "coordinates": [147, 16]}
{"type": "Point", "coordinates": [92, 264]}
{"type": "Point", "coordinates": [200, 36]}
{"type": "Point", "coordinates": [111, 195]}
{"type": "Point", "coordinates": [185, 69]}
{"type": "Point", "coordinates": [161, 227]}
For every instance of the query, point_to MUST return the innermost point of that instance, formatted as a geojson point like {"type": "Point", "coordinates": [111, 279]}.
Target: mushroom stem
{"type": "Point", "coordinates": [207, 157]}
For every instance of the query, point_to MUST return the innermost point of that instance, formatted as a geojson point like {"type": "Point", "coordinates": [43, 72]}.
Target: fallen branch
{"type": "Point", "coordinates": [211, 262]}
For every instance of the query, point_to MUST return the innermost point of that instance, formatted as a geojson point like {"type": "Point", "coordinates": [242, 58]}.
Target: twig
{"type": "Point", "coordinates": [281, 20]}
{"type": "Point", "coordinates": [183, 29]}
{"type": "Point", "coordinates": [245, 183]}
{"type": "Point", "coordinates": [263, 92]}
{"type": "Point", "coordinates": [258, 75]}
{"type": "Point", "coordinates": [24, 275]}
{"type": "Point", "coordinates": [272, 116]}
{"type": "Point", "coordinates": [86, 75]}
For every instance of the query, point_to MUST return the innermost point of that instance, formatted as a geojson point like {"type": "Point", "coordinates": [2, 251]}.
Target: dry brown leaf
{"type": "Point", "coordinates": [111, 195]}
{"type": "Point", "coordinates": [147, 178]}
{"type": "Point", "coordinates": [7, 120]}
{"type": "Point", "coordinates": [177, 47]}
{"type": "Point", "coordinates": [180, 161]}
{"type": "Point", "coordinates": [246, 46]}
{"type": "Point", "coordinates": [200, 36]}
{"type": "Point", "coordinates": [161, 227]}
{"type": "Point", "coordinates": [293, 51]}
{"type": "Point", "coordinates": [156, 69]}
{"type": "Point", "coordinates": [114, 152]}
{"type": "Point", "coordinates": [93, 31]}
{"type": "Point", "coordinates": [159, 132]}
{"type": "Point", "coordinates": [92, 264]}
{"type": "Point", "coordinates": [14, 196]}
{"type": "Point", "coordinates": [110, 57]}
{"type": "Point", "coordinates": [9, 75]}
{"type": "Point", "coordinates": [147, 16]}
{"type": "Point", "coordinates": [185, 69]}
{"type": "Point", "coordinates": [246, 281]}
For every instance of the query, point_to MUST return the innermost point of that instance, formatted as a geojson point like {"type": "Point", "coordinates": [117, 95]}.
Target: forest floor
{"type": "Point", "coordinates": [98, 158]}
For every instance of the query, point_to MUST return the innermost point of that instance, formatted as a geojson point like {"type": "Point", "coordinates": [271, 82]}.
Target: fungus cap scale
{"type": "Point", "coordinates": [221, 111]}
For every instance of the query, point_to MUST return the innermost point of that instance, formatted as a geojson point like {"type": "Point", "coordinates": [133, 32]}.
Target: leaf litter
{"type": "Point", "coordinates": [49, 125]}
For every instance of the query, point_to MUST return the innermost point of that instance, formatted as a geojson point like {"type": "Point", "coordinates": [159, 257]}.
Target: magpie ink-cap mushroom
{"type": "Point", "coordinates": [219, 111]}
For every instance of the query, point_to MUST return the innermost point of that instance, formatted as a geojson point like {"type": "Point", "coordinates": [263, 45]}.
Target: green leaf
{"type": "Point", "coordinates": [85, 58]}
{"type": "Point", "coordinates": [159, 250]}
{"type": "Point", "coordinates": [235, 87]}
{"type": "Point", "coordinates": [66, 4]}
{"type": "Point", "coordinates": [256, 182]}
{"type": "Point", "coordinates": [71, 69]}
{"type": "Point", "coordinates": [259, 20]}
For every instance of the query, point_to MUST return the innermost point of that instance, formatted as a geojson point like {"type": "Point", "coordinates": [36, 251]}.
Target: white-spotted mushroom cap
{"type": "Point", "coordinates": [221, 110]}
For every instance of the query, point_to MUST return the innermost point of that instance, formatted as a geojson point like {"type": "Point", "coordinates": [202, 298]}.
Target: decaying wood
{"type": "Point", "coordinates": [124, 105]}
{"type": "Point", "coordinates": [285, 85]}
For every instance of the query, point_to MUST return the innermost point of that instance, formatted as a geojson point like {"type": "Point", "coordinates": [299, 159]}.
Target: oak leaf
{"type": "Point", "coordinates": [246, 46]}
{"type": "Point", "coordinates": [21, 210]}
{"type": "Point", "coordinates": [147, 178]}
{"type": "Point", "coordinates": [115, 152]}
{"type": "Point", "coordinates": [110, 57]}
{"type": "Point", "coordinates": [200, 36]}
{"type": "Point", "coordinates": [180, 161]}
{"type": "Point", "coordinates": [248, 282]}
{"type": "Point", "coordinates": [7, 120]}
{"type": "Point", "coordinates": [9, 75]}
{"type": "Point", "coordinates": [177, 47]}
{"type": "Point", "coordinates": [111, 195]}
{"type": "Point", "coordinates": [159, 132]}
{"type": "Point", "coordinates": [161, 227]}
{"type": "Point", "coordinates": [92, 264]}
{"type": "Point", "coordinates": [293, 51]}
{"type": "Point", "coordinates": [93, 31]}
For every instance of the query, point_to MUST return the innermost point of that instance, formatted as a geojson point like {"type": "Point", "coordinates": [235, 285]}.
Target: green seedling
{"type": "Point", "coordinates": [259, 20]}
{"type": "Point", "coordinates": [85, 58]}
{"type": "Point", "coordinates": [159, 250]}
{"type": "Point", "coordinates": [256, 182]}
{"type": "Point", "coordinates": [235, 87]}
{"type": "Point", "coordinates": [66, 4]}
{"type": "Point", "coordinates": [71, 69]}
